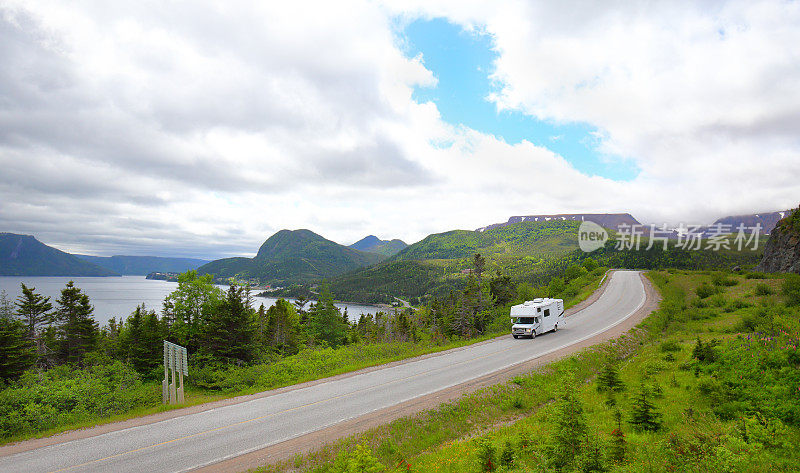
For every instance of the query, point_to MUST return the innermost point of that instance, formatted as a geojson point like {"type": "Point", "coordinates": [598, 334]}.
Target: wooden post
{"type": "Point", "coordinates": [180, 387]}
{"type": "Point", "coordinates": [172, 393]}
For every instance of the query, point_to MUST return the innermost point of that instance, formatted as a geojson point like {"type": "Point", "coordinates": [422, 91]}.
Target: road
{"type": "Point", "coordinates": [191, 441]}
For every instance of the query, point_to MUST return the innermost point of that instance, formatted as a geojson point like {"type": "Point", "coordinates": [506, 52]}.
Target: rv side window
{"type": "Point", "coordinates": [546, 312]}
{"type": "Point", "coordinates": [536, 320]}
{"type": "Point", "coordinates": [538, 309]}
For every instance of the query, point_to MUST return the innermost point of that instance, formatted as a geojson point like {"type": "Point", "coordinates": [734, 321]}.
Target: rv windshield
{"type": "Point", "coordinates": [526, 320]}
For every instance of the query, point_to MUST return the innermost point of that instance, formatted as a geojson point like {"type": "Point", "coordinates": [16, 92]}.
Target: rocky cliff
{"type": "Point", "coordinates": [782, 252]}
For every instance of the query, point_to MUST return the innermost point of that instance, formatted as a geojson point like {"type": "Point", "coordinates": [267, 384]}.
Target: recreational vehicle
{"type": "Point", "coordinates": [536, 317]}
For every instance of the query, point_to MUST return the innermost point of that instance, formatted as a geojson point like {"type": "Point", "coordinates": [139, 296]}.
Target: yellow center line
{"type": "Point", "coordinates": [110, 457]}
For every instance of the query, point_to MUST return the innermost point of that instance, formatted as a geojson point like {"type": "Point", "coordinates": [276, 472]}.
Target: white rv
{"type": "Point", "coordinates": [536, 317]}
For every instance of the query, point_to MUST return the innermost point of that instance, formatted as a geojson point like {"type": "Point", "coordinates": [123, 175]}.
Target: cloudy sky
{"type": "Point", "coordinates": [201, 128]}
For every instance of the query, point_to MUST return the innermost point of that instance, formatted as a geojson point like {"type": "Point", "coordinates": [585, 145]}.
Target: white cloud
{"type": "Point", "coordinates": [200, 129]}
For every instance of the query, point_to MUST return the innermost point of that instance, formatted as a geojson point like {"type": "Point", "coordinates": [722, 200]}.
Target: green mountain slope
{"type": "Point", "coordinates": [291, 257]}
{"type": "Point", "coordinates": [143, 265]}
{"type": "Point", "coordinates": [441, 262]}
{"type": "Point", "coordinates": [373, 244]}
{"type": "Point", "coordinates": [24, 255]}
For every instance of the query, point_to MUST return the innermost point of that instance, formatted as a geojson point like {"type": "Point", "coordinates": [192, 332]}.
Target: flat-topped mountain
{"type": "Point", "coordinates": [293, 256]}
{"type": "Point", "coordinates": [373, 244]}
{"type": "Point", "coordinates": [604, 220]}
{"type": "Point", "coordinates": [24, 255]}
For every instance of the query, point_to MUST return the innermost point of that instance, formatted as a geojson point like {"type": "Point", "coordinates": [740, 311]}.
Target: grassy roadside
{"type": "Point", "coordinates": [719, 363]}
{"type": "Point", "coordinates": [63, 400]}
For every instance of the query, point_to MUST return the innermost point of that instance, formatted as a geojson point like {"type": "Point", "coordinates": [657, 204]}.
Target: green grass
{"type": "Point", "coordinates": [737, 412]}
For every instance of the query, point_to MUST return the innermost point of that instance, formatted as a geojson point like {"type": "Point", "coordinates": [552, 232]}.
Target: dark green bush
{"type": "Point", "coordinates": [722, 280]}
{"type": "Point", "coordinates": [763, 289]}
{"type": "Point", "coordinates": [705, 290]}
{"type": "Point", "coordinates": [791, 289]}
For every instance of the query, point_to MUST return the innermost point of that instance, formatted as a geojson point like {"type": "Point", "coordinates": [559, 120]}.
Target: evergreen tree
{"type": "Point", "coordinates": [17, 352]}
{"type": "Point", "coordinates": [617, 450]}
{"type": "Point", "coordinates": [76, 328]}
{"type": "Point", "coordinates": [326, 322]}
{"type": "Point", "coordinates": [6, 306]}
{"type": "Point", "coordinates": [501, 289]}
{"type": "Point", "coordinates": [479, 262]}
{"type": "Point", "coordinates": [283, 328]}
{"type": "Point", "coordinates": [608, 379]}
{"type": "Point", "coordinates": [229, 333]}
{"type": "Point", "coordinates": [570, 431]}
{"type": "Point", "coordinates": [644, 415]}
{"type": "Point", "coordinates": [34, 309]}
{"type": "Point", "coordinates": [142, 340]}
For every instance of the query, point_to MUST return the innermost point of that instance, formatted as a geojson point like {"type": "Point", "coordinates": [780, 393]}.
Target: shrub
{"type": "Point", "coordinates": [722, 280]}
{"type": "Point", "coordinates": [791, 289]}
{"type": "Point", "coordinates": [486, 454]}
{"type": "Point", "coordinates": [705, 290]}
{"type": "Point", "coordinates": [755, 275]}
{"type": "Point", "coordinates": [763, 289]}
{"type": "Point", "coordinates": [360, 460]}
{"type": "Point", "coordinates": [670, 345]}
{"type": "Point", "coordinates": [705, 351]}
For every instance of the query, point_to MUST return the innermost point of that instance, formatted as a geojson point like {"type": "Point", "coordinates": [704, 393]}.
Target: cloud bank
{"type": "Point", "coordinates": [199, 129]}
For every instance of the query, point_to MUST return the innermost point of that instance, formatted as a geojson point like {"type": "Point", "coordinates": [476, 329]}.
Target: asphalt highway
{"type": "Point", "coordinates": [194, 440]}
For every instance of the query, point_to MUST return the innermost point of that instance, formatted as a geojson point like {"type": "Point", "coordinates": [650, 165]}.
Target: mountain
{"type": "Point", "coordinates": [293, 256]}
{"type": "Point", "coordinates": [767, 221]}
{"type": "Point", "coordinates": [373, 244]}
{"type": "Point", "coordinates": [782, 252]}
{"type": "Point", "coordinates": [612, 221]}
{"type": "Point", "coordinates": [441, 262]}
{"type": "Point", "coordinates": [24, 255]}
{"type": "Point", "coordinates": [143, 265]}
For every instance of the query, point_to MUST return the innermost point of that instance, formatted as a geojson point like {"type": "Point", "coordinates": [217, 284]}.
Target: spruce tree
{"type": "Point", "coordinates": [608, 379]}
{"type": "Point", "coordinates": [17, 352]}
{"type": "Point", "coordinates": [326, 322]}
{"type": "Point", "coordinates": [570, 431]}
{"type": "Point", "coordinates": [76, 328]}
{"type": "Point", "coordinates": [480, 263]}
{"type": "Point", "coordinates": [644, 415]}
{"type": "Point", "coordinates": [229, 333]}
{"type": "Point", "coordinates": [6, 306]}
{"type": "Point", "coordinates": [142, 339]}
{"type": "Point", "coordinates": [34, 309]}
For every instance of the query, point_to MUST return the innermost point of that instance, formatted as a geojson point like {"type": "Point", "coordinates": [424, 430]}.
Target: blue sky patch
{"type": "Point", "coordinates": [462, 62]}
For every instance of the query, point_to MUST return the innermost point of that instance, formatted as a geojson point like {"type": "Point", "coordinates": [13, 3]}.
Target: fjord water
{"type": "Point", "coordinates": [119, 296]}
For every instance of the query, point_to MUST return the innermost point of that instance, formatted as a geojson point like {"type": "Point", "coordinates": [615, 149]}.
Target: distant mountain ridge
{"type": "Point", "coordinates": [24, 255]}
{"type": "Point", "coordinates": [293, 256]}
{"type": "Point", "coordinates": [143, 265]}
{"type": "Point", "coordinates": [373, 244]}
{"type": "Point", "coordinates": [604, 220]}
{"type": "Point", "coordinates": [767, 220]}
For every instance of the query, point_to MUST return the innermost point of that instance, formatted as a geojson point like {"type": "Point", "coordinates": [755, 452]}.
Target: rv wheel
{"type": "Point", "coordinates": [533, 334]}
{"type": "Point", "coordinates": [555, 328]}
{"type": "Point", "coordinates": [516, 336]}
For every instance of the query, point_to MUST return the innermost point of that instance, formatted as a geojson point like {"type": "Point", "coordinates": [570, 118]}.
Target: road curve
{"type": "Point", "coordinates": [195, 440]}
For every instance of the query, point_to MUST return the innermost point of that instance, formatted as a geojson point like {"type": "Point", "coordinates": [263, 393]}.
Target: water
{"type": "Point", "coordinates": [119, 296]}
